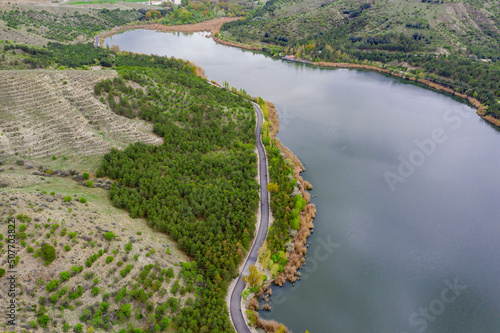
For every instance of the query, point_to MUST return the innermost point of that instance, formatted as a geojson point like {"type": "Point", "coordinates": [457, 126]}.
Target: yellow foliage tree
{"type": "Point", "coordinates": [272, 187]}
{"type": "Point", "coordinates": [254, 277]}
{"type": "Point", "coordinates": [281, 329]}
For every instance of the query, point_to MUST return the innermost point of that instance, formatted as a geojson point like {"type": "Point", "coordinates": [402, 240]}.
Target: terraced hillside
{"type": "Point", "coordinates": [55, 113]}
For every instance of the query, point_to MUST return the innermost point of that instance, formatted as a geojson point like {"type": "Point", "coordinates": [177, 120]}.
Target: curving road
{"type": "Point", "coordinates": [235, 301]}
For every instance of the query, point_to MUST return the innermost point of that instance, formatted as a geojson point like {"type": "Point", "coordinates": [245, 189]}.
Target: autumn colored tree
{"type": "Point", "coordinates": [272, 187]}
{"type": "Point", "coordinates": [254, 277]}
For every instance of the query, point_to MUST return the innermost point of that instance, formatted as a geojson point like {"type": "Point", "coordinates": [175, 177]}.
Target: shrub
{"type": "Point", "coordinates": [76, 269]}
{"type": "Point", "coordinates": [33, 324]}
{"type": "Point", "coordinates": [63, 232]}
{"type": "Point", "coordinates": [23, 227]}
{"type": "Point", "coordinates": [77, 293]}
{"type": "Point", "coordinates": [43, 320]}
{"type": "Point", "coordinates": [95, 291]}
{"type": "Point", "coordinates": [67, 199]}
{"type": "Point", "coordinates": [65, 276]}
{"type": "Point", "coordinates": [78, 328]}
{"type": "Point", "coordinates": [52, 285]}
{"type": "Point", "coordinates": [125, 271]}
{"type": "Point", "coordinates": [66, 327]}
{"type": "Point", "coordinates": [175, 287]}
{"type": "Point", "coordinates": [48, 253]}
{"type": "Point", "coordinates": [86, 175]}
{"type": "Point", "coordinates": [54, 157]}
{"type": "Point", "coordinates": [125, 311]}
{"type": "Point", "coordinates": [52, 193]}
{"type": "Point", "coordinates": [89, 183]}
{"type": "Point", "coordinates": [110, 235]}
{"type": "Point", "coordinates": [30, 249]}
{"type": "Point", "coordinates": [109, 259]}
{"type": "Point", "coordinates": [83, 200]}
{"type": "Point", "coordinates": [128, 247]}
{"type": "Point", "coordinates": [2, 272]}
{"type": "Point", "coordinates": [67, 247]}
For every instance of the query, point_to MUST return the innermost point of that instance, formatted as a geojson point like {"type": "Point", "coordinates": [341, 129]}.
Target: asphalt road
{"type": "Point", "coordinates": [235, 302]}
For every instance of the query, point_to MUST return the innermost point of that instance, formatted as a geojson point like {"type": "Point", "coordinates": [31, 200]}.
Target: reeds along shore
{"type": "Point", "coordinates": [296, 258]}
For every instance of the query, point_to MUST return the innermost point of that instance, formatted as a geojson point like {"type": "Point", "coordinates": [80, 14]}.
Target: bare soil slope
{"type": "Point", "coordinates": [55, 113]}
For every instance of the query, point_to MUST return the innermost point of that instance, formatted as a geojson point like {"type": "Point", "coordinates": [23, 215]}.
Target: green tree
{"type": "Point", "coordinates": [48, 253]}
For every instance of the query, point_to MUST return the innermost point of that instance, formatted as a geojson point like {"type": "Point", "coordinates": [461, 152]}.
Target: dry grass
{"type": "Point", "coordinates": [269, 325]}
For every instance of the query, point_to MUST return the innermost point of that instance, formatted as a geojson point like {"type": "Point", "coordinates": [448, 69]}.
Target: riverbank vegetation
{"type": "Point", "coordinates": [199, 186]}
{"type": "Point", "coordinates": [66, 26]}
{"type": "Point", "coordinates": [453, 44]}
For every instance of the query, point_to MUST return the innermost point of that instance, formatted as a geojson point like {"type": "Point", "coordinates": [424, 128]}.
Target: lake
{"type": "Point", "coordinates": [406, 184]}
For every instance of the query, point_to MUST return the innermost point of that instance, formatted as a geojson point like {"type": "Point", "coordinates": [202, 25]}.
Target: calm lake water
{"type": "Point", "coordinates": [407, 181]}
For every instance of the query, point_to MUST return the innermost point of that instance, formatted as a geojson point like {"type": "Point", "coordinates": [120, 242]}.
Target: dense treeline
{"type": "Point", "coordinates": [84, 55]}
{"type": "Point", "coordinates": [199, 186]}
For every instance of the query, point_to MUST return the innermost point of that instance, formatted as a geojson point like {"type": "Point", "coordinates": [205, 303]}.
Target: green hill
{"type": "Point", "coordinates": [452, 43]}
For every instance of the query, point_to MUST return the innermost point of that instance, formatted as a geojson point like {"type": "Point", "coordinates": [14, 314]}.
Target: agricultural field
{"type": "Point", "coordinates": [81, 262]}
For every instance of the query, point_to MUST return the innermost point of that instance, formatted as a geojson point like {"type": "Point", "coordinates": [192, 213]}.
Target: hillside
{"type": "Point", "coordinates": [77, 122]}
{"type": "Point", "coordinates": [469, 27]}
{"type": "Point", "coordinates": [49, 113]}
{"type": "Point", "coordinates": [453, 44]}
{"type": "Point", "coordinates": [92, 273]}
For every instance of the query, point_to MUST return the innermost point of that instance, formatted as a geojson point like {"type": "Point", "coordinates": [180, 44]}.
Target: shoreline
{"type": "Point", "coordinates": [434, 86]}
{"type": "Point", "coordinates": [214, 26]}
{"type": "Point", "coordinates": [296, 258]}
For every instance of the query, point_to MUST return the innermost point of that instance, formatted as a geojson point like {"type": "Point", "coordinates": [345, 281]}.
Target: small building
{"type": "Point", "coordinates": [290, 58]}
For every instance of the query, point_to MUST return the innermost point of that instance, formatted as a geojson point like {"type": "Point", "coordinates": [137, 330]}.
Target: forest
{"type": "Point", "coordinates": [199, 186]}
